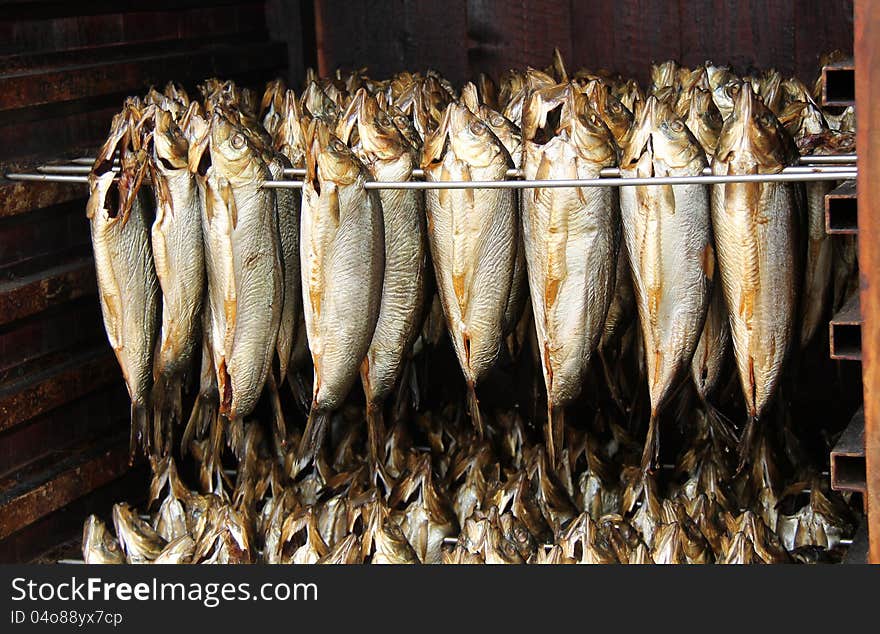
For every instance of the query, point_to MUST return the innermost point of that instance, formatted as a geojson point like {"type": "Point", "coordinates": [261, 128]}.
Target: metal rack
{"type": "Point", "coordinates": [812, 168]}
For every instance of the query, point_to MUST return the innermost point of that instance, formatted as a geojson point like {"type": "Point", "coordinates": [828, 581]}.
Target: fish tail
{"type": "Point", "coordinates": [720, 427]}
{"type": "Point", "coordinates": [235, 436]}
{"type": "Point", "coordinates": [611, 382]}
{"type": "Point", "coordinates": [555, 432]}
{"type": "Point", "coordinates": [375, 433]}
{"type": "Point", "coordinates": [302, 395]}
{"type": "Point", "coordinates": [652, 444]}
{"type": "Point", "coordinates": [139, 435]}
{"type": "Point", "coordinates": [474, 409]}
{"type": "Point", "coordinates": [312, 438]}
{"type": "Point", "coordinates": [747, 442]}
{"type": "Point", "coordinates": [279, 427]}
{"type": "Point", "coordinates": [167, 409]}
{"type": "Point", "coordinates": [197, 424]}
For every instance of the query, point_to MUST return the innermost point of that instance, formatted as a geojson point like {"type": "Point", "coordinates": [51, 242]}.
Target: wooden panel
{"type": "Point", "coordinates": [516, 34]}
{"type": "Point", "coordinates": [867, 58]}
{"type": "Point", "coordinates": [65, 525]}
{"type": "Point", "coordinates": [17, 198]}
{"type": "Point", "coordinates": [39, 291]}
{"type": "Point", "coordinates": [71, 324]}
{"type": "Point", "coordinates": [56, 383]}
{"type": "Point", "coordinates": [31, 89]}
{"type": "Point", "coordinates": [58, 479]}
{"type": "Point", "coordinates": [820, 26]}
{"type": "Point", "coordinates": [622, 35]}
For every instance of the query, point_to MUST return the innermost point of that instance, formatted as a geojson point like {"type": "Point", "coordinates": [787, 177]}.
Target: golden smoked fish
{"type": "Point", "coordinates": [342, 259]}
{"type": "Point", "coordinates": [388, 156]}
{"type": "Point", "coordinates": [242, 257]}
{"type": "Point", "coordinates": [472, 235]}
{"type": "Point", "coordinates": [571, 238]}
{"type": "Point", "coordinates": [179, 258]}
{"type": "Point", "coordinates": [128, 289]}
{"type": "Point", "coordinates": [668, 236]}
{"type": "Point", "coordinates": [757, 236]}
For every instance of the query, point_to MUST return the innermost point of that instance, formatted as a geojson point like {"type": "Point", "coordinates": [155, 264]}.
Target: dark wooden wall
{"type": "Point", "coordinates": [461, 38]}
{"type": "Point", "coordinates": [64, 70]}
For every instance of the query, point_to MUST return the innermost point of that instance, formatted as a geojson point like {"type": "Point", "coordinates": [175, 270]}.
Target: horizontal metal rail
{"type": "Point", "coordinates": [790, 175]}
{"type": "Point", "coordinates": [607, 172]}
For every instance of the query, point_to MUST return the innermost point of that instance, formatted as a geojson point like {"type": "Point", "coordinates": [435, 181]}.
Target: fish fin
{"type": "Point", "coordinates": [375, 434]}
{"type": "Point", "coordinates": [139, 434]}
{"type": "Point", "coordinates": [167, 410]}
{"type": "Point", "coordinates": [720, 427]}
{"type": "Point", "coordinates": [279, 427]}
{"type": "Point", "coordinates": [555, 433]}
{"type": "Point", "coordinates": [229, 198]}
{"type": "Point", "coordinates": [652, 444]}
{"type": "Point", "coordinates": [312, 439]}
{"type": "Point", "coordinates": [235, 436]}
{"type": "Point", "coordinates": [302, 393]}
{"type": "Point", "coordinates": [747, 443]}
{"type": "Point", "coordinates": [474, 409]}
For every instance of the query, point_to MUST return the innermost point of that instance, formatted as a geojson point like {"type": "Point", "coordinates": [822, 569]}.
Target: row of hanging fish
{"type": "Point", "coordinates": [463, 499]}
{"type": "Point", "coordinates": [343, 278]}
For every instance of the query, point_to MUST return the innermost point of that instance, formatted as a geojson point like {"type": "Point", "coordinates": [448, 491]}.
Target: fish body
{"type": "Point", "coordinates": [179, 258]}
{"type": "Point", "coordinates": [128, 288]}
{"type": "Point", "coordinates": [243, 260]}
{"type": "Point", "coordinates": [668, 237]}
{"type": "Point", "coordinates": [472, 235]}
{"type": "Point", "coordinates": [389, 157]}
{"type": "Point", "coordinates": [757, 241]}
{"type": "Point", "coordinates": [342, 262]}
{"type": "Point", "coordinates": [571, 239]}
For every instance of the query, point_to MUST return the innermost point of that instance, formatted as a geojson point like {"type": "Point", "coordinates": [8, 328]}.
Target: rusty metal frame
{"type": "Point", "coordinates": [867, 68]}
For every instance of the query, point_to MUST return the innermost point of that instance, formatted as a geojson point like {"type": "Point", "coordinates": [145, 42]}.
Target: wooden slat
{"type": "Point", "coordinates": [57, 480]}
{"type": "Point", "coordinates": [820, 26]}
{"type": "Point", "coordinates": [846, 331]}
{"type": "Point", "coordinates": [30, 62]}
{"type": "Point", "coordinates": [848, 456]}
{"type": "Point", "coordinates": [48, 388]}
{"type": "Point", "coordinates": [51, 137]}
{"type": "Point", "coordinates": [65, 525]}
{"type": "Point", "coordinates": [27, 90]}
{"type": "Point", "coordinates": [39, 291]}
{"type": "Point", "coordinates": [74, 323]}
{"type": "Point", "coordinates": [838, 85]}
{"type": "Point", "coordinates": [514, 34]}
{"type": "Point", "coordinates": [867, 61]}
{"type": "Point", "coordinates": [98, 413]}
{"type": "Point", "coordinates": [842, 210]}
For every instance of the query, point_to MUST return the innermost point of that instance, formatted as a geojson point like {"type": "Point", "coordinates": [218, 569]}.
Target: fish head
{"type": "Point", "coordinates": [793, 89]}
{"type": "Point", "coordinates": [704, 119]}
{"type": "Point", "coordinates": [170, 147]}
{"type": "Point", "coordinates": [665, 136]}
{"type": "Point", "coordinates": [316, 102]}
{"type": "Point", "coordinates": [99, 545]}
{"type": "Point", "coordinates": [752, 129]}
{"type": "Point", "coordinates": [609, 108]}
{"type": "Point", "coordinates": [461, 132]}
{"type": "Point", "coordinates": [770, 89]}
{"type": "Point", "coordinates": [373, 131]}
{"type": "Point", "coordinates": [233, 150]}
{"type": "Point", "coordinates": [802, 119]}
{"type": "Point", "coordinates": [663, 74]}
{"type": "Point", "coordinates": [488, 91]}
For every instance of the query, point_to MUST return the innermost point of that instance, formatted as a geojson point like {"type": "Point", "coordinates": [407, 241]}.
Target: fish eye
{"type": "Point", "coordinates": [238, 141]}
{"type": "Point", "coordinates": [382, 119]}
{"type": "Point", "coordinates": [615, 106]}
{"type": "Point", "coordinates": [767, 119]}
{"type": "Point", "coordinates": [497, 120]}
{"type": "Point", "coordinates": [400, 120]}
{"type": "Point", "coordinates": [337, 145]}
{"type": "Point", "coordinates": [677, 126]}
{"type": "Point", "coordinates": [477, 128]}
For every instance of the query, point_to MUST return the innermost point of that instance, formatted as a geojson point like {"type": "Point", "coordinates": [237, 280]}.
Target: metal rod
{"type": "Point", "coordinates": [785, 177]}
{"type": "Point", "coordinates": [607, 172]}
